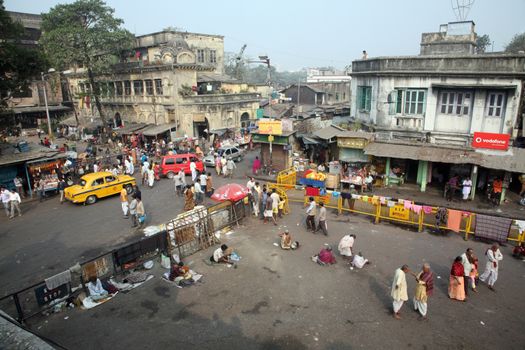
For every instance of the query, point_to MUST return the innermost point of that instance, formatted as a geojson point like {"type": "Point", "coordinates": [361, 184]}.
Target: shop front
{"type": "Point", "coordinates": [276, 150]}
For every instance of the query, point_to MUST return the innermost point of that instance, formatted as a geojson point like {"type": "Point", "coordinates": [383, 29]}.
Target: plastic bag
{"type": "Point", "coordinates": [165, 261]}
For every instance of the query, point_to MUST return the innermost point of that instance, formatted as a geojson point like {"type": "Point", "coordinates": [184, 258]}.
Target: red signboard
{"type": "Point", "coordinates": [491, 141]}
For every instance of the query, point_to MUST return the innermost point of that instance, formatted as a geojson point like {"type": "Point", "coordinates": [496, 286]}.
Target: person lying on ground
{"type": "Point", "coordinates": [325, 256]}
{"type": "Point", "coordinates": [359, 262]}
{"type": "Point", "coordinates": [222, 255]}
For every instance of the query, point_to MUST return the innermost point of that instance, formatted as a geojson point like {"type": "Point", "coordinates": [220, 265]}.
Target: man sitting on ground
{"type": "Point", "coordinates": [222, 255]}
{"type": "Point", "coordinates": [286, 241]}
{"type": "Point", "coordinates": [96, 291]}
{"type": "Point", "coordinates": [180, 274]}
{"type": "Point", "coordinates": [359, 262]}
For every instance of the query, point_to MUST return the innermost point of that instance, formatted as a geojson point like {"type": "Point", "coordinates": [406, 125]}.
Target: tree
{"type": "Point", "coordinates": [516, 44]}
{"type": "Point", "coordinates": [18, 64]}
{"type": "Point", "coordinates": [483, 42]}
{"type": "Point", "coordinates": [85, 33]}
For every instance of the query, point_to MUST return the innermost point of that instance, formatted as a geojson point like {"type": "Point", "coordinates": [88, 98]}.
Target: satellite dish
{"type": "Point", "coordinates": [461, 8]}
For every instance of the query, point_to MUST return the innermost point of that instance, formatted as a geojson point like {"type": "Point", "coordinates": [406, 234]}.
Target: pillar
{"type": "Point", "coordinates": [387, 170]}
{"type": "Point", "coordinates": [474, 178]}
{"type": "Point", "coordinates": [423, 168]}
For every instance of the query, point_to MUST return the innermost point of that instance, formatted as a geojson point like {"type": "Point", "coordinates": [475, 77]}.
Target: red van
{"type": "Point", "coordinates": [170, 165]}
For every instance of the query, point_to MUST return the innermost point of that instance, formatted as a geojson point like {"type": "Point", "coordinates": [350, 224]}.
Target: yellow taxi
{"type": "Point", "coordinates": [98, 185]}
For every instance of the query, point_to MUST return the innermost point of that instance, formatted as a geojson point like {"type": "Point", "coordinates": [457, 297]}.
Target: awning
{"type": "Point", "coordinates": [38, 109]}
{"type": "Point", "coordinates": [154, 130]}
{"type": "Point", "coordinates": [218, 132]}
{"type": "Point", "coordinates": [130, 128]}
{"type": "Point", "coordinates": [310, 141]}
{"type": "Point", "coordinates": [351, 155]}
{"type": "Point", "coordinates": [513, 160]}
{"type": "Point", "coordinates": [87, 122]}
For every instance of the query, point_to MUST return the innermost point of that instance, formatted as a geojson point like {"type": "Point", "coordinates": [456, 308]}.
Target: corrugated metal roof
{"type": "Point", "coordinates": [130, 128]}
{"type": "Point", "coordinates": [513, 160]}
{"type": "Point", "coordinates": [154, 130]}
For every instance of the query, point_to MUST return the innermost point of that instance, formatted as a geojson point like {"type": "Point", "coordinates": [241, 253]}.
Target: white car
{"type": "Point", "coordinates": [229, 152]}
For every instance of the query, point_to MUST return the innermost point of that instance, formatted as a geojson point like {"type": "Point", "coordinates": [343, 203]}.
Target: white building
{"type": "Point", "coordinates": [436, 101]}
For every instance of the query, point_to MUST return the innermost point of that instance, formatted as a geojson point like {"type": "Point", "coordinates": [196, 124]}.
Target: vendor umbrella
{"type": "Point", "coordinates": [232, 192]}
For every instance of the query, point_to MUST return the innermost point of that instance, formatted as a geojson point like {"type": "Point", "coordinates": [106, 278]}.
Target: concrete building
{"type": "Point", "coordinates": [327, 75]}
{"type": "Point", "coordinates": [159, 85]}
{"type": "Point", "coordinates": [320, 93]}
{"type": "Point", "coordinates": [26, 109]}
{"type": "Point", "coordinates": [439, 100]}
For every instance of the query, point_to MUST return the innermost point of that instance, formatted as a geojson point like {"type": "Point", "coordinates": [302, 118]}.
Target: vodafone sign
{"type": "Point", "coordinates": [491, 141]}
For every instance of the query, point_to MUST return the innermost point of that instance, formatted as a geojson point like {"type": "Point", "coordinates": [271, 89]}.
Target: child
{"type": "Point", "coordinates": [474, 272]}
{"type": "Point", "coordinates": [281, 206]}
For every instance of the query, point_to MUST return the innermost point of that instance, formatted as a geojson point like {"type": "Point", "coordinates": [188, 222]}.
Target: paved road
{"type": "Point", "coordinates": [282, 300]}
{"type": "Point", "coordinates": [50, 237]}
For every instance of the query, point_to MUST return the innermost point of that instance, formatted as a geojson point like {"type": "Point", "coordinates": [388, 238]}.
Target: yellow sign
{"type": "Point", "coordinates": [270, 138]}
{"type": "Point", "coordinates": [399, 212]}
{"type": "Point", "coordinates": [270, 127]}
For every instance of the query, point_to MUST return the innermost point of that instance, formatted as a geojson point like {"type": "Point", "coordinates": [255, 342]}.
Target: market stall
{"type": "Point", "coordinates": [47, 170]}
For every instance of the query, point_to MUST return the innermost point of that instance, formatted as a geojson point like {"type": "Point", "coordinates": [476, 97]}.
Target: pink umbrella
{"type": "Point", "coordinates": [232, 192]}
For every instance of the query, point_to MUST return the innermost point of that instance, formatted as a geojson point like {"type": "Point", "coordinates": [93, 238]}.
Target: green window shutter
{"type": "Point", "coordinates": [368, 99]}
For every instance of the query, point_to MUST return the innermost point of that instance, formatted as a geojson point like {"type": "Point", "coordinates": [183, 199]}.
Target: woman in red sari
{"type": "Point", "coordinates": [456, 286]}
{"type": "Point", "coordinates": [156, 171]}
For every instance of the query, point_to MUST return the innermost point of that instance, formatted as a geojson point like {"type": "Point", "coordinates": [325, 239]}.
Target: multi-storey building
{"type": "Point", "coordinates": [427, 109]}
{"type": "Point", "coordinates": [159, 85]}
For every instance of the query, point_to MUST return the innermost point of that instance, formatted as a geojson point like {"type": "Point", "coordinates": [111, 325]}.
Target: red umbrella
{"type": "Point", "coordinates": [232, 192]}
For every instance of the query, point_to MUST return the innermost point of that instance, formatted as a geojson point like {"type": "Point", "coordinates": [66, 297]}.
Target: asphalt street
{"type": "Point", "coordinates": [275, 299]}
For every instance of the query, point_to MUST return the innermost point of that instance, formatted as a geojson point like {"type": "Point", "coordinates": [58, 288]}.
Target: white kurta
{"type": "Point", "coordinates": [345, 245]}
{"type": "Point", "coordinates": [490, 275]}
{"type": "Point", "coordinates": [359, 261]}
{"type": "Point", "coordinates": [400, 293]}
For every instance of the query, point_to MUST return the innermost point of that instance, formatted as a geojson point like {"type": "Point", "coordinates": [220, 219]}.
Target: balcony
{"type": "Point", "coordinates": [221, 99]}
{"type": "Point", "coordinates": [481, 65]}
{"type": "Point", "coordinates": [411, 122]}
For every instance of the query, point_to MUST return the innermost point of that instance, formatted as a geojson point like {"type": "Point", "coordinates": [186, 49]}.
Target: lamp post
{"type": "Point", "coordinates": [49, 128]}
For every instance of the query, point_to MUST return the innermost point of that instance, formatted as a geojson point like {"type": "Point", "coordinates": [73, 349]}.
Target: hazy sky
{"type": "Point", "coordinates": [296, 34]}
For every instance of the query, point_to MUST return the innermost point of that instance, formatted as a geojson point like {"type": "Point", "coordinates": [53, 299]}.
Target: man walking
{"type": "Point", "coordinates": [193, 168]}
{"type": "Point", "coordinates": [230, 165]}
{"type": "Point", "coordinates": [5, 196]}
{"type": "Point", "coordinates": [275, 205]}
{"type": "Point", "coordinates": [178, 184]}
{"type": "Point", "coordinates": [490, 275]}
{"type": "Point", "coordinates": [124, 202]}
{"type": "Point", "coordinates": [203, 178]}
{"type": "Point", "coordinates": [399, 290]}
{"type": "Point", "coordinates": [424, 289]}
{"type": "Point", "coordinates": [199, 193]}
{"type": "Point", "coordinates": [310, 215]}
{"type": "Point", "coordinates": [14, 202]}
{"type": "Point", "coordinates": [322, 219]}
{"type": "Point", "coordinates": [19, 187]}
{"type": "Point", "coordinates": [466, 259]}
{"type": "Point", "coordinates": [133, 210]}
{"type": "Point", "coordinates": [61, 188]}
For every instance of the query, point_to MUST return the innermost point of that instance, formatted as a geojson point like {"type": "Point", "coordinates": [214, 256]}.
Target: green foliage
{"type": "Point", "coordinates": [516, 44]}
{"type": "Point", "coordinates": [185, 90]}
{"type": "Point", "coordinates": [18, 64]}
{"type": "Point", "coordinates": [483, 42]}
{"type": "Point", "coordinates": [84, 32]}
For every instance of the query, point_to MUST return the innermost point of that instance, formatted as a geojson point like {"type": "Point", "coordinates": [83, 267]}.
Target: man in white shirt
{"type": "Point", "coordinates": [322, 219]}
{"type": "Point", "coordinates": [144, 171]}
{"type": "Point", "coordinates": [275, 204]}
{"type": "Point", "coordinates": [202, 179]}
{"type": "Point", "coordinates": [359, 261]}
{"type": "Point", "coordinates": [96, 167]}
{"type": "Point", "coordinates": [250, 184]}
{"type": "Point", "coordinates": [96, 291]}
{"type": "Point", "coordinates": [490, 275]}
{"type": "Point", "coordinates": [221, 255]}
{"type": "Point", "coordinates": [193, 168]}
{"type": "Point", "coordinates": [177, 179]}
{"type": "Point", "coordinates": [399, 290]}
{"type": "Point", "coordinates": [230, 165]}
{"type": "Point", "coordinates": [257, 193]}
{"type": "Point", "coordinates": [18, 184]}
{"type": "Point", "coordinates": [14, 202]}
{"type": "Point", "coordinates": [199, 193]}
{"type": "Point", "coordinates": [467, 268]}
{"type": "Point", "coordinates": [5, 196]}
{"type": "Point", "coordinates": [310, 215]}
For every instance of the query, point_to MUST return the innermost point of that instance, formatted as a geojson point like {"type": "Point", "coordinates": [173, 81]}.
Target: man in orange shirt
{"type": "Point", "coordinates": [497, 185]}
{"type": "Point", "coordinates": [124, 202]}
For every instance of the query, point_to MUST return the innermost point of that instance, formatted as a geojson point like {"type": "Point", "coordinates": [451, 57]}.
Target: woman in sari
{"type": "Point", "coordinates": [256, 165]}
{"type": "Point", "coordinates": [189, 200]}
{"type": "Point", "coordinates": [456, 287]}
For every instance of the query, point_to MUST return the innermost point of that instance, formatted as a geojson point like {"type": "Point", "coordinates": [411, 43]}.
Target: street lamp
{"type": "Point", "coordinates": [43, 75]}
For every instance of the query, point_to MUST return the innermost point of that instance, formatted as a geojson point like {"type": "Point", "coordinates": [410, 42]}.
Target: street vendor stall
{"type": "Point", "coordinates": [47, 170]}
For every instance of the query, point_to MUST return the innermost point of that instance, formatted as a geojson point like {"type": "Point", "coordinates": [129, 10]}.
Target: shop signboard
{"type": "Point", "coordinates": [399, 212]}
{"type": "Point", "coordinates": [45, 296]}
{"type": "Point", "coordinates": [491, 141]}
{"type": "Point", "coordinates": [270, 127]}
